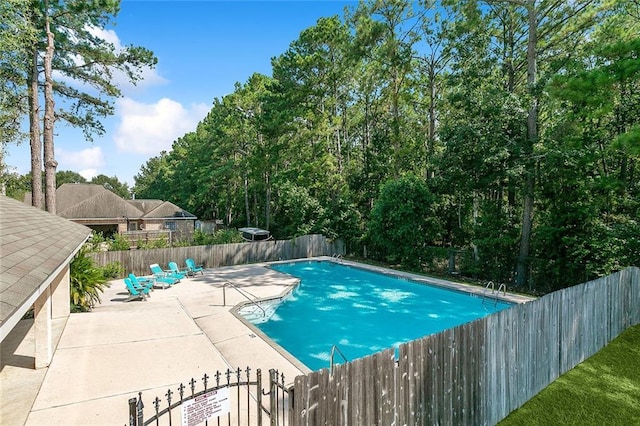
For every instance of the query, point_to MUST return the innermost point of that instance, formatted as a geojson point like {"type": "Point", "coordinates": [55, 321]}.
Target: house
{"type": "Point", "coordinates": [36, 249]}
{"type": "Point", "coordinates": [103, 211]}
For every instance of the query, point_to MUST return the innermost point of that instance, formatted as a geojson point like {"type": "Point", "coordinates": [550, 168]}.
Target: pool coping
{"type": "Point", "coordinates": [419, 279]}
{"type": "Point", "coordinates": [439, 282]}
{"type": "Point", "coordinates": [268, 340]}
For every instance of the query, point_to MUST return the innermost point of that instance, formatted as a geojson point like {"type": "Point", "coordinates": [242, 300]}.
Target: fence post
{"type": "Point", "coordinates": [259, 394]}
{"type": "Point", "coordinates": [132, 411]}
{"type": "Point", "coordinates": [292, 396]}
{"type": "Point", "coordinates": [139, 407]}
{"type": "Point", "coordinates": [273, 413]}
{"type": "Point", "coordinates": [451, 267]}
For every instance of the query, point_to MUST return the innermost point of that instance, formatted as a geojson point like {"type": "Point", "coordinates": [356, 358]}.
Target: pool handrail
{"type": "Point", "coordinates": [335, 348]}
{"type": "Point", "coordinates": [495, 294]}
{"type": "Point", "coordinates": [252, 301]}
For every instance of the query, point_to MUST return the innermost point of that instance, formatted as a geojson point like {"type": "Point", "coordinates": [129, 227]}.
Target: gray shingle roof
{"type": "Point", "coordinates": [145, 206]}
{"type": "Point", "coordinates": [90, 201]}
{"type": "Point", "coordinates": [33, 245]}
{"type": "Point", "coordinates": [80, 200]}
{"type": "Point", "coordinates": [157, 209]}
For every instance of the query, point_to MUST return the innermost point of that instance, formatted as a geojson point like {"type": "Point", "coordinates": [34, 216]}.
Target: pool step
{"type": "Point", "coordinates": [259, 312]}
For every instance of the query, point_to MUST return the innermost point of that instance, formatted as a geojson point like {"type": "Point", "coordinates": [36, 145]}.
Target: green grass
{"type": "Point", "coordinates": [603, 390]}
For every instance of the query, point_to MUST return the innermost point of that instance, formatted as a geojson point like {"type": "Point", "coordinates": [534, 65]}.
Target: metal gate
{"type": "Point", "coordinates": [230, 398]}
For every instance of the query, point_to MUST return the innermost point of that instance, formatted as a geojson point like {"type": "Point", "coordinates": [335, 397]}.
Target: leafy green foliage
{"type": "Point", "coordinates": [152, 244]}
{"type": "Point", "coordinates": [113, 185]}
{"type": "Point", "coordinates": [16, 186]}
{"type": "Point", "coordinates": [67, 176]}
{"type": "Point", "coordinates": [118, 242]}
{"type": "Point", "coordinates": [441, 93]}
{"type": "Point", "coordinates": [98, 242]}
{"type": "Point", "coordinates": [113, 270]}
{"type": "Point", "coordinates": [299, 213]}
{"type": "Point", "coordinates": [17, 36]}
{"type": "Point", "coordinates": [87, 281]}
{"type": "Point", "coordinates": [222, 236]}
{"type": "Point", "coordinates": [402, 222]}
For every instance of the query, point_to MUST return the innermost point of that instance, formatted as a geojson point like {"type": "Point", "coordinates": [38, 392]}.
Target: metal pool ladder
{"type": "Point", "coordinates": [494, 294]}
{"type": "Point", "coordinates": [335, 349]}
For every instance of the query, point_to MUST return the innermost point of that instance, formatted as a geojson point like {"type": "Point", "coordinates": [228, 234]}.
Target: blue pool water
{"type": "Point", "coordinates": [362, 312]}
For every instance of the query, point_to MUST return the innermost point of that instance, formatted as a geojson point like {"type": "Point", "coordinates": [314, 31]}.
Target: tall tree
{"type": "Point", "coordinates": [151, 182]}
{"type": "Point", "coordinates": [432, 60]}
{"type": "Point", "coordinates": [50, 163]}
{"type": "Point", "coordinates": [386, 33]}
{"type": "Point", "coordinates": [70, 44]}
{"type": "Point", "coordinates": [533, 32]}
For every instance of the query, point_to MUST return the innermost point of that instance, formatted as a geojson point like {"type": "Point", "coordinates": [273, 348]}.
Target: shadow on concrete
{"type": "Point", "coordinates": [10, 345]}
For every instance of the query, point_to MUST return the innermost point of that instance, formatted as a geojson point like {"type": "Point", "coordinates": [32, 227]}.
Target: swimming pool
{"type": "Point", "coordinates": [362, 312]}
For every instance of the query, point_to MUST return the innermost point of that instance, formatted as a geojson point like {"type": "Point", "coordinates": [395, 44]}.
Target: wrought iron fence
{"type": "Point", "coordinates": [235, 399]}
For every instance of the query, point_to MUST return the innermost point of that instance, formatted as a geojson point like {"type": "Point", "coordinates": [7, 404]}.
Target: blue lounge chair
{"type": "Point", "coordinates": [141, 283]}
{"type": "Point", "coordinates": [176, 272]}
{"type": "Point", "coordinates": [163, 277]}
{"type": "Point", "coordinates": [135, 293]}
{"type": "Point", "coordinates": [192, 267]}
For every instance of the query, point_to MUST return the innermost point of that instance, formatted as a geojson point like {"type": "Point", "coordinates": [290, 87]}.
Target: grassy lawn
{"type": "Point", "coordinates": [603, 390]}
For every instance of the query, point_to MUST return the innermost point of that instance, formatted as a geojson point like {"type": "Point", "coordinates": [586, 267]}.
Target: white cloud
{"type": "Point", "coordinates": [88, 174]}
{"type": "Point", "coordinates": [90, 158]}
{"type": "Point", "coordinates": [152, 128]}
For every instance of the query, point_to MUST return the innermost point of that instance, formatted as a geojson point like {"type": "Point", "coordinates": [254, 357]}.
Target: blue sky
{"type": "Point", "coordinates": [203, 49]}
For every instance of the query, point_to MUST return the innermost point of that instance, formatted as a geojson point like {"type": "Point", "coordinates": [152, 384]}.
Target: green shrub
{"type": "Point", "coordinates": [182, 243]}
{"type": "Point", "coordinates": [403, 223]}
{"type": "Point", "coordinates": [87, 282]}
{"type": "Point", "coordinates": [119, 243]}
{"type": "Point", "coordinates": [113, 270]}
{"type": "Point", "coordinates": [222, 236]}
{"type": "Point", "coordinates": [153, 244]}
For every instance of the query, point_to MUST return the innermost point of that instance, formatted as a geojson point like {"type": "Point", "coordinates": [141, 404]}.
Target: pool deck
{"type": "Point", "coordinates": [106, 356]}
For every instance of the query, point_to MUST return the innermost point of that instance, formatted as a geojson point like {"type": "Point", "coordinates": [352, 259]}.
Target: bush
{"type": "Point", "coordinates": [113, 270]}
{"type": "Point", "coordinates": [223, 236]}
{"type": "Point", "coordinates": [402, 222]}
{"type": "Point", "coordinates": [153, 244]}
{"type": "Point", "coordinates": [87, 282]}
{"type": "Point", "coordinates": [119, 243]}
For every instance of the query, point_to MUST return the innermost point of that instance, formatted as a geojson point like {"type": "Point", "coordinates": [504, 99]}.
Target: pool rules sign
{"type": "Point", "coordinates": [204, 407]}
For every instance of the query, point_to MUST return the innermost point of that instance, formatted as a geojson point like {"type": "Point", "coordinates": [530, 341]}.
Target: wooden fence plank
{"type": "Point", "coordinates": [214, 256]}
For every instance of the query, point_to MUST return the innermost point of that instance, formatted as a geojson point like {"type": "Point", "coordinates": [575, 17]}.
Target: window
{"type": "Point", "coordinates": [170, 225]}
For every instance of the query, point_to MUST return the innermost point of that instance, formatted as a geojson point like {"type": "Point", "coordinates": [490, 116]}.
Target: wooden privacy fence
{"type": "Point", "coordinates": [476, 373]}
{"type": "Point", "coordinates": [213, 256]}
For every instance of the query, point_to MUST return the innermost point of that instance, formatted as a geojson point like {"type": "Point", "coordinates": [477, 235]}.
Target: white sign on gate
{"type": "Point", "coordinates": [204, 407]}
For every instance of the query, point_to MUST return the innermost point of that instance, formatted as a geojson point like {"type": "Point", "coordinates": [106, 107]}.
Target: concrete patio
{"type": "Point", "coordinates": [107, 356]}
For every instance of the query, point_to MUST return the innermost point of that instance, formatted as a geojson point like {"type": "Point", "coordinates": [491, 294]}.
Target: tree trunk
{"type": "Point", "coordinates": [34, 134]}
{"type": "Point", "coordinates": [431, 137]}
{"type": "Point", "coordinates": [50, 164]}
{"type": "Point", "coordinates": [267, 207]}
{"type": "Point", "coordinates": [522, 270]}
{"type": "Point", "coordinates": [246, 199]}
